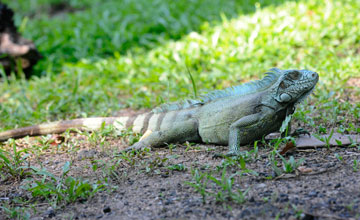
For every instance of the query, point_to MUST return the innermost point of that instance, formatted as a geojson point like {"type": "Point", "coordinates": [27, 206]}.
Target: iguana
{"type": "Point", "coordinates": [234, 116]}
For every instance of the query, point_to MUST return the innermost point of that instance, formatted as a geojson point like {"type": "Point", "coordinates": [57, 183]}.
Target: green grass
{"type": "Point", "coordinates": [63, 189]}
{"type": "Point", "coordinates": [14, 164]}
{"type": "Point", "coordinates": [222, 189]}
{"type": "Point", "coordinates": [98, 66]}
{"type": "Point", "coordinates": [100, 29]}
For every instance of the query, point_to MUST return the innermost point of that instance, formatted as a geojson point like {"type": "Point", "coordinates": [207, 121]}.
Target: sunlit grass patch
{"type": "Point", "coordinates": [307, 34]}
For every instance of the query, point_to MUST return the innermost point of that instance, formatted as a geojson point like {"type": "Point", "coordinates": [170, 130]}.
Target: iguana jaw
{"type": "Point", "coordinates": [311, 80]}
{"type": "Point", "coordinates": [304, 95]}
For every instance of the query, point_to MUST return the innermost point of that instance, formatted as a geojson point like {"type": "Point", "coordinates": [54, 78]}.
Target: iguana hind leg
{"type": "Point", "coordinates": [179, 132]}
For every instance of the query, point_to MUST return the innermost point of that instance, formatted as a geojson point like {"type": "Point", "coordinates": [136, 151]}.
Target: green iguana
{"type": "Point", "coordinates": [234, 116]}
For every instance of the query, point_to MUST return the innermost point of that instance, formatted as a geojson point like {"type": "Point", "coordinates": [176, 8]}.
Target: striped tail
{"type": "Point", "coordinates": [139, 124]}
{"type": "Point", "coordinates": [61, 126]}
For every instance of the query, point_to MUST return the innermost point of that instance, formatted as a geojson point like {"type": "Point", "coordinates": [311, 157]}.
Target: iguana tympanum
{"type": "Point", "coordinates": [234, 116]}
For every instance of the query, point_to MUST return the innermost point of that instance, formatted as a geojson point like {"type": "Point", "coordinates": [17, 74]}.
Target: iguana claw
{"type": "Point", "coordinates": [218, 155]}
{"type": "Point", "coordinates": [228, 154]}
{"type": "Point", "coordinates": [300, 131]}
{"type": "Point", "coordinates": [137, 146]}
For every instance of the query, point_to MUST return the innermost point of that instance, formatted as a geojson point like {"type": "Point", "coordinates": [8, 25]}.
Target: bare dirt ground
{"type": "Point", "coordinates": [152, 185]}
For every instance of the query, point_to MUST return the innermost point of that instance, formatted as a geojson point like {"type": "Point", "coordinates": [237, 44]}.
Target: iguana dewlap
{"type": "Point", "coordinates": [233, 116]}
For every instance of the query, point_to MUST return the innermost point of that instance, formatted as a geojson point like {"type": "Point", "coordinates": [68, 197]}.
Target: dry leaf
{"type": "Point", "coordinates": [56, 139]}
{"type": "Point", "coordinates": [288, 147]}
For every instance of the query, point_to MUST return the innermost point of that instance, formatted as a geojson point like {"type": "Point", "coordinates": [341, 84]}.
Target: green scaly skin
{"type": "Point", "coordinates": [234, 116]}
{"type": "Point", "coordinates": [237, 120]}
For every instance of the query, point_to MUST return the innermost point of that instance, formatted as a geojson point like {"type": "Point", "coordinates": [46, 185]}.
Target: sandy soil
{"type": "Point", "coordinates": [149, 187]}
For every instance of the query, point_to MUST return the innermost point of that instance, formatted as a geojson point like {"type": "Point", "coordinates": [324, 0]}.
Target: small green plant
{"type": "Point", "coordinates": [325, 139]}
{"type": "Point", "coordinates": [192, 82]}
{"type": "Point", "coordinates": [191, 146]}
{"type": "Point", "coordinates": [299, 213]}
{"type": "Point", "coordinates": [288, 166]}
{"type": "Point", "coordinates": [98, 137]}
{"type": "Point", "coordinates": [15, 212]}
{"type": "Point", "coordinates": [111, 171]}
{"type": "Point", "coordinates": [255, 151]}
{"type": "Point", "coordinates": [276, 143]}
{"type": "Point", "coordinates": [274, 163]}
{"type": "Point", "coordinates": [130, 136]}
{"type": "Point", "coordinates": [131, 157]}
{"type": "Point", "coordinates": [155, 163]}
{"type": "Point", "coordinates": [291, 165]}
{"type": "Point", "coordinates": [340, 158]}
{"type": "Point", "coordinates": [225, 184]}
{"type": "Point", "coordinates": [177, 167]}
{"type": "Point", "coordinates": [322, 130]}
{"type": "Point", "coordinates": [350, 207]}
{"type": "Point", "coordinates": [13, 163]}
{"type": "Point", "coordinates": [354, 143]}
{"type": "Point", "coordinates": [63, 189]}
{"type": "Point", "coordinates": [222, 189]}
{"type": "Point", "coordinates": [238, 161]}
{"type": "Point", "coordinates": [284, 129]}
{"type": "Point", "coordinates": [356, 165]}
{"type": "Point", "coordinates": [200, 183]}
{"type": "Point", "coordinates": [241, 160]}
{"type": "Point", "coordinates": [226, 192]}
{"type": "Point", "coordinates": [171, 147]}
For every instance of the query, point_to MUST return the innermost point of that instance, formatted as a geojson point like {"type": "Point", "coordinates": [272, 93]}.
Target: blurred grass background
{"type": "Point", "coordinates": [102, 56]}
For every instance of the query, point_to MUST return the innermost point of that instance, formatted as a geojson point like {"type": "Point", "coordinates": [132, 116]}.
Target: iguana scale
{"type": "Point", "coordinates": [233, 116]}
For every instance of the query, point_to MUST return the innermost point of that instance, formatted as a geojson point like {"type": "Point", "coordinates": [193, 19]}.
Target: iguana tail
{"type": "Point", "coordinates": [139, 124]}
{"type": "Point", "coordinates": [62, 126]}
{"type": "Point", "coordinates": [58, 127]}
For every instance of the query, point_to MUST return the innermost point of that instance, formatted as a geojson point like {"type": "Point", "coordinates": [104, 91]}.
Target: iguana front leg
{"type": "Point", "coordinates": [300, 131]}
{"type": "Point", "coordinates": [253, 127]}
{"type": "Point", "coordinates": [237, 132]}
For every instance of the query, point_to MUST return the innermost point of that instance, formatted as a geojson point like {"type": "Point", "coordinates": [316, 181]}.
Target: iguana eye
{"type": "Point", "coordinates": [282, 85]}
{"type": "Point", "coordinates": [294, 75]}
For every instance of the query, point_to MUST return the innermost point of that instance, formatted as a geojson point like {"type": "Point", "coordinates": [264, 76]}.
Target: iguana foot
{"type": "Point", "coordinates": [228, 154]}
{"type": "Point", "coordinates": [299, 131]}
{"type": "Point", "coordinates": [218, 155]}
{"type": "Point", "coordinates": [135, 147]}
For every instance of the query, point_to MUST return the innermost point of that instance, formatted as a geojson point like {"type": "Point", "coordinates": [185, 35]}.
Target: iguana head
{"type": "Point", "coordinates": [295, 85]}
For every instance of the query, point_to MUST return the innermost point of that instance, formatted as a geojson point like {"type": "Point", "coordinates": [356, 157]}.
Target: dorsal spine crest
{"type": "Point", "coordinates": [247, 88]}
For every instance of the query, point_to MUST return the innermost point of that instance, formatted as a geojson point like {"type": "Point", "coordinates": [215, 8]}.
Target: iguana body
{"type": "Point", "coordinates": [234, 116]}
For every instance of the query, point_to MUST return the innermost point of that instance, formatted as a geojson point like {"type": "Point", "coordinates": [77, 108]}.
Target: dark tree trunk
{"type": "Point", "coordinates": [14, 49]}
